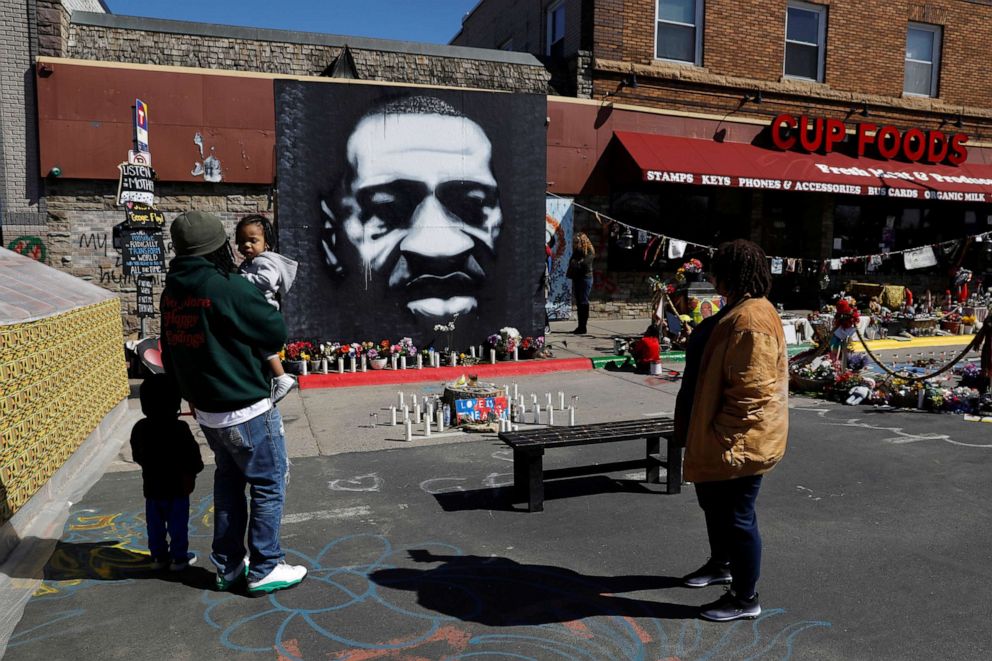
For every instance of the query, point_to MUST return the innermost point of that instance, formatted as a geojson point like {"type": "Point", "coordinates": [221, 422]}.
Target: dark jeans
{"type": "Point", "coordinates": [167, 515]}
{"type": "Point", "coordinates": [581, 289]}
{"type": "Point", "coordinates": [732, 527]}
{"type": "Point", "coordinates": [253, 455]}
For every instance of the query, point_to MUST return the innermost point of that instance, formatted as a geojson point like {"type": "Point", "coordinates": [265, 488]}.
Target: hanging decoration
{"type": "Point", "coordinates": [913, 258]}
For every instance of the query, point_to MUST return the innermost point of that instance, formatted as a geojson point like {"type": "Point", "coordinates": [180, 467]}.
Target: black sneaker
{"type": "Point", "coordinates": [731, 607]}
{"type": "Point", "coordinates": [712, 573]}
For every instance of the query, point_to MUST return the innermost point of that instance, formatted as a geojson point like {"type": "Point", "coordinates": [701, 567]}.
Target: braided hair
{"type": "Point", "coordinates": [222, 258]}
{"type": "Point", "coordinates": [742, 267]}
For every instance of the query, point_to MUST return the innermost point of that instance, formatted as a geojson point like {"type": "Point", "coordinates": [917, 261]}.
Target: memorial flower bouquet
{"type": "Point", "coordinates": [531, 346]}
{"type": "Point", "coordinates": [857, 361]}
{"type": "Point", "coordinates": [505, 341]}
{"type": "Point", "coordinates": [299, 350]}
{"type": "Point", "coordinates": [689, 271]}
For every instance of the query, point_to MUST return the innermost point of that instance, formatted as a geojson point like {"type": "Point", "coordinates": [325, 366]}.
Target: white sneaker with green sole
{"type": "Point", "coordinates": [282, 577]}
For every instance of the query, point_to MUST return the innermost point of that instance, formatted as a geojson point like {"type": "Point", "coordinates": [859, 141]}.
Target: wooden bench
{"type": "Point", "coordinates": [529, 445]}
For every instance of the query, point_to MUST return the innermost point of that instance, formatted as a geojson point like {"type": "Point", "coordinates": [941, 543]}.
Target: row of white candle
{"type": "Point", "coordinates": [397, 362]}
{"type": "Point", "coordinates": [519, 414]}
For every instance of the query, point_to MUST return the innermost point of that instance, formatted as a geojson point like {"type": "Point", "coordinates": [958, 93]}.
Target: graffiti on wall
{"type": "Point", "coordinates": [407, 208]}
{"type": "Point", "coordinates": [29, 246]}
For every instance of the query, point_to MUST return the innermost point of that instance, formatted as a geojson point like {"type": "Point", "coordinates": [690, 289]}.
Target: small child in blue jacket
{"type": "Point", "coordinates": [169, 457]}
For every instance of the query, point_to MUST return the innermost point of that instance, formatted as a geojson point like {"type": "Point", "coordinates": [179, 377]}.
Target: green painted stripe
{"type": "Point", "coordinates": [600, 362]}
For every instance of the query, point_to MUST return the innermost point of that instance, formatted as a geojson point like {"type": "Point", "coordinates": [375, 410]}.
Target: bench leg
{"type": "Point", "coordinates": [528, 478]}
{"type": "Point", "coordinates": [653, 460]}
{"type": "Point", "coordinates": [674, 481]}
{"type": "Point", "coordinates": [519, 475]}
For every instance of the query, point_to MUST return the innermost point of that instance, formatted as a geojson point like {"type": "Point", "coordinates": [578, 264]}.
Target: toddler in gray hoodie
{"type": "Point", "coordinates": [273, 274]}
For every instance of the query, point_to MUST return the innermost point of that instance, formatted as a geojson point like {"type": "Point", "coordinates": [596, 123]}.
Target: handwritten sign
{"type": "Point", "coordinates": [143, 253]}
{"type": "Point", "coordinates": [481, 409]}
{"type": "Point", "coordinates": [136, 184]}
{"type": "Point", "coordinates": [143, 215]}
{"type": "Point", "coordinates": [146, 297]}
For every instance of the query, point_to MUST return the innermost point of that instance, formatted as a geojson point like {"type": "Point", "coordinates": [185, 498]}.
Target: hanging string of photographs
{"type": "Point", "coordinates": [661, 246]}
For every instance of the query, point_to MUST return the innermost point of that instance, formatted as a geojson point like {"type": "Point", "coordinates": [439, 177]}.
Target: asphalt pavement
{"type": "Point", "coordinates": [876, 546]}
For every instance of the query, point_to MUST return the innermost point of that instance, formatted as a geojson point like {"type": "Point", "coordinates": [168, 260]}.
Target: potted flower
{"type": "Point", "coordinates": [505, 342]}
{"type": "Point", "coordinates": [295, 354]}
{"type": "Point", "coordinates": [379, 354]}
{"type": "Point", "coordinates": [530, 346]}
{"type": "Point", "coordinates": [376, 361]}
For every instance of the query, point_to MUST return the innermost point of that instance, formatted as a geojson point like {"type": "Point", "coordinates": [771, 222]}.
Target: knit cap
{"type": "Point", "coordinates": [197, 233]}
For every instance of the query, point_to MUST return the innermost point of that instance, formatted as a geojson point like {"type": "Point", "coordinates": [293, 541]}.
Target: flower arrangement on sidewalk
{"type": "Point", "coordinates": [505, 341]}
{"type": "Point", "coordinates": [378, 354]}
{"type": "Point", "coordinates": [299, 350]}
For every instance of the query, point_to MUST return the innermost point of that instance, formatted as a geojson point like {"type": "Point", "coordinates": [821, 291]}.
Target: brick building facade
{"type": "Point", "coordinates": [722, 70]}
{"type": "Point", "coordinates": [78, 47]}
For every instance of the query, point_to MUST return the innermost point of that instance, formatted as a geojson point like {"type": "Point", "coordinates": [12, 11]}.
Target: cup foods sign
{"type": "Point", "coordinates": [823, 135]}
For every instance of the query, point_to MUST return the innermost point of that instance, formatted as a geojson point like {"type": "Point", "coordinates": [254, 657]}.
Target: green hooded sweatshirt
{"type": "Point", "coordinates": [216, 331]}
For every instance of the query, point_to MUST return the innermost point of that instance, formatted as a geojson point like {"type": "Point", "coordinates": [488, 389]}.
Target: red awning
{"type": "Point", "coordinates": [668, 159]}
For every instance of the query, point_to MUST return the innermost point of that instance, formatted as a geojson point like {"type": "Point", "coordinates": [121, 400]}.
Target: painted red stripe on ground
{"type": "Point", "coordinates": [499, 370]}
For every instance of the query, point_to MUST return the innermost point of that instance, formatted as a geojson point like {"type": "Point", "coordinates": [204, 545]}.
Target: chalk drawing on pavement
{"type": "Point", "coordinates": [898, 435]}
{"type": "Point", "coordinates": [367, 482]}
{"type": "Point", "coordinates": [445, 604]}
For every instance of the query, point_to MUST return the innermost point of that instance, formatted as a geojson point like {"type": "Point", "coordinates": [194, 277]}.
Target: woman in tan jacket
{"type": "Point", "coordinates": [734, 423]}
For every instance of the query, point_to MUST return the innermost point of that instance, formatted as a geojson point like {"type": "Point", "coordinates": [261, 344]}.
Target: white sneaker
{"type": "Point", "coordinates": [179, 565]}
{"type": "Point", "coordinates": [281, 385]}
{"type": "Point", "coordinates": [282, 577]}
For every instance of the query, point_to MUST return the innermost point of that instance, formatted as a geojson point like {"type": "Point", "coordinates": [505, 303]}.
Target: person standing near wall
{"type": "Point", "coordinates": [580, 273]}
{"type": "Point", "coordinates": [736, 427]}
{"type": "Point", "coordinates": [217, 329]}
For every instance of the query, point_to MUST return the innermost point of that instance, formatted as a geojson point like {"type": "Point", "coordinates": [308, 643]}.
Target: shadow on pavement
{"type": "Point", "coordinates": [108, 561]}
{"type": "Point", "coordinates": [498, 591]}
{"type": "Point", "coordinates": [503, 499]}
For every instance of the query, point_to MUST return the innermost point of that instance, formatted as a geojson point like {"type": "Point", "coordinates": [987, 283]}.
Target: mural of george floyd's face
{"type": "Point", "coordinates": [419, 208]}
{"type": "Point", "coordinates": [407, 207]}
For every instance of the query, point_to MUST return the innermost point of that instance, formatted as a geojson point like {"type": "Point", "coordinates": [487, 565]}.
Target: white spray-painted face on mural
{"type": "Point", "coordinates": [422, 208]}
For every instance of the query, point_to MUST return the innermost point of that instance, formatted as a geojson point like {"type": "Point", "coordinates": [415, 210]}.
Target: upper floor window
{"type": "Point", "coordinates": [922, 60]}
{"type": "Point", "coordinates": [679, 34]}
{"type": "Point", "coordinates": [805, 40]}
{"type": "Point", "coordinates": [556, 29]}
{"type": "Point", "coordinates": [507, 45]}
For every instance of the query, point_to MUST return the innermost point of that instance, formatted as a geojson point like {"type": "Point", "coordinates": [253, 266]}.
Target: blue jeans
{"type": "Point", "coordinates": [251, 454]}
{"type": "Point", "coordinates": [167, 515]}
{"type": "Point", "coordinates": [732, 527]}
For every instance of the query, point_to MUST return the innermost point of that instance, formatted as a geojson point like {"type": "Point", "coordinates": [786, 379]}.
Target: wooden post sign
{"type": "Point", "coordinates": [143, 215]}
{"type": "Point", "coordinates": [144, 252]}
{"type": "Point", "coordinates": [146, 297]}
{"type": "Point", "coordinates": [136, 184]}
